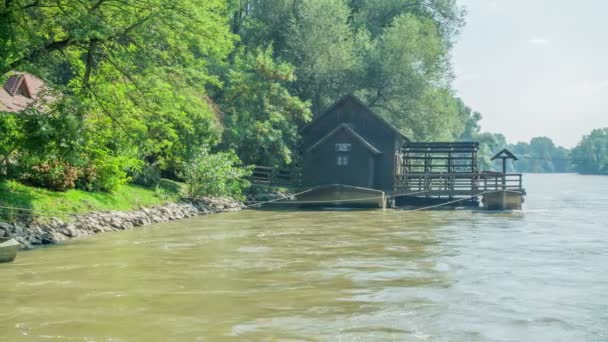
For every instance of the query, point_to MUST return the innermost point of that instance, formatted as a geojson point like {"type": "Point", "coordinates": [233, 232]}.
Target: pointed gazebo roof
{"type": "Point", "coordinates": [504, 154]}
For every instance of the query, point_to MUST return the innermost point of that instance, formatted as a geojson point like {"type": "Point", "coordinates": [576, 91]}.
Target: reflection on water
{"type": "Point", "coordinates": [540, 274]}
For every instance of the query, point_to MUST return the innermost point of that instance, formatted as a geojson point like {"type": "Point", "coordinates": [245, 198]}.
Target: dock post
{"type": "Point", "coordinates": [503, 198]}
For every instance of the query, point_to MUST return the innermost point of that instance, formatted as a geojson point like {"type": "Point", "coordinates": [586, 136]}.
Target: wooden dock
{"type": "Point", "coordinates": [450, 170]}
{"type": "Point", "coordinates": [428, 171]}
{"type": "Point", "coordinates": [457, 184]}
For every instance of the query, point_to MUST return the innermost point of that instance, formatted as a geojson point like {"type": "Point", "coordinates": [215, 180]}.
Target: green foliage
{"type": "Point", "coordinates": [161, 193]}
{"type": "Point", "coordinates": [149, 175]}
{"type": "Point", "coordinates": [541, 155]}
{"type": "Point", "coordinates": [320, 43]}
{"type": "Point", "coordinates": [11, 137]}
{"type": "Point", "coordinates": [55, 176]}
{"type": "Point", "coordinates": [103, 175]}
{"type": "Point", "coordinates": [406, 79]}
{"type": "Point", "coordinates": [590, 156]}
{"type": "Point", "coordinates": [111, 172]}
{"type": "Point", "coordinates": [45, 203]}
{"type": "Point", "coordinates": [56, 150]}
{"type": "Point", "coordinates": [376, 15]}
{"type": "Point", "coordinates": [392, 54]}
{"type": "Point", "coordinates": [144, 84]}
{"type": "Point", "coordinates": [218, 174]}
{"type": "Point", "coordinates": [261, 117]}
{"type": "Point", "coordinates": [489, 143]}
{"type": "Point", "coordinates": [132, 77]}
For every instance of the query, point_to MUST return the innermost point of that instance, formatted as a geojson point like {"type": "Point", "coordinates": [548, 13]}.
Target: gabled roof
{"type": "Point", "coordinates": [29, 83]}
{"type": "Point", "coordinates": [352, 98]}
{"type": "Point", "coordinates": [22, 90]}
{"type": "Point", "coordinates": [13, 83]}
{"type": "Point", "coordinates": [346, 128]}
{"type": "Point", "coordinates": [505, 154]}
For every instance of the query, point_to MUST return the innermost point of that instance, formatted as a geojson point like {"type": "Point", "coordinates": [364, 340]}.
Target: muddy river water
{"type": "Point", "coordinates": [368, 275]}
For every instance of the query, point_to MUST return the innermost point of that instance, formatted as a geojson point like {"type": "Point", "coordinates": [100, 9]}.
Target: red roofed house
{"type": "Point", "coordinates": [21, 91]}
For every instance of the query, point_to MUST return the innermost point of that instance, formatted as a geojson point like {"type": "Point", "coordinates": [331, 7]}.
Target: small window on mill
{"type": "Point", "coordinates": [343, 147]}
{"type": "Point", "coordinates": [342, 161]}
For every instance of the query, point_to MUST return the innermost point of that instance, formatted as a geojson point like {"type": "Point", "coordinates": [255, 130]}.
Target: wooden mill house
{"type": "Point", "coordinates": [352, 156]}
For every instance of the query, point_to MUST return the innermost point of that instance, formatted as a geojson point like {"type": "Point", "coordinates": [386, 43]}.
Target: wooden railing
{"type": "Point", "coordinates": [438, 157]}
{"type": "Point", "coordinates": [496, 181]}
{"type": "Point", "coordinates": [458, 184]}
{"type": "Point", "coordinates": [265, 175]}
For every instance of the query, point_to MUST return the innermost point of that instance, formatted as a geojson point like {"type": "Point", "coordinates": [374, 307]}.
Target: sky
{"type": "Point", "coordinates": [535, 67]}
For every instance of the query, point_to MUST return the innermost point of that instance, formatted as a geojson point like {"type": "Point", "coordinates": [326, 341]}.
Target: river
{"type": "Point", "coordinates": [536, 275]}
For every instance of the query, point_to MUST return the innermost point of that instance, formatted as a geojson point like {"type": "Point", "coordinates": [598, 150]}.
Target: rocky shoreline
{"type": "Point", "coordinates": [54, 230]}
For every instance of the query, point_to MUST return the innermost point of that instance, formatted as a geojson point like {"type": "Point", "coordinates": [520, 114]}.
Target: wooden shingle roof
{"type": "Point", "coordinates": [353, 99]}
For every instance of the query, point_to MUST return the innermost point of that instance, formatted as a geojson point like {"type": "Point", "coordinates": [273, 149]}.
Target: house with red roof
{"type": "Point", "coordinates": [23, 90]}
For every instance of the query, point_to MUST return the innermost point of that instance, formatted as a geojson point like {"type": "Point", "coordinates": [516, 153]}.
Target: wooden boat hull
{"type": "Point", "coordinates": [338, 195]}
{"type": "Point", "coordinates": [8, 249]}
{"type": "Point", "coordinates": [503, 200]}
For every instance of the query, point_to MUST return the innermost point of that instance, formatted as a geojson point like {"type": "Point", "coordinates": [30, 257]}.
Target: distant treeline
{"type": "Point", "coordinates": [541, 155]}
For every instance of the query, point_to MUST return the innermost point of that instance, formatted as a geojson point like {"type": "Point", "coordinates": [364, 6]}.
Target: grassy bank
{"type": "Point", "coordinates": [43, 203]}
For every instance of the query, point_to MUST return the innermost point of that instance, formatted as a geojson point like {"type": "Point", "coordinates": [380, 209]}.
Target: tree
{"type": "Point", "coordinates": [542, 149]}
{"type": "Point", "coordinates": [489, 143]}
{"type": "Point", "coordinates": [376, 15]}
{"type": "Point", "coordinates": [392, 54]}
{"type": "Point", "coordinates": [261, 117]}
{"type": "Point", "coordinates": [262, 23]}
{"type": "Point", "coordinates": [219, 174]}
{"type": "Point", "coordinates": [590, 156]}
{"type": "Point", "coordinates": [134, 73]}
{"type": "Point", "coordinates": [561, 159]}
{"type": "Point", "coordinates": [405, 79]}
{"type": "Point", "coordinates": [320, 44]}
{"type": "Point", "coordinates": [11, 137]}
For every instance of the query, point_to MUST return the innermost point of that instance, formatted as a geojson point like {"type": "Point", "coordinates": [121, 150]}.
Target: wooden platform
{"type": "Point", "coordinates": [462, 185]}
{"type": "Point", "coordinates": [457, 184]}
{"type": "Point", "coordinates": [448, 170]}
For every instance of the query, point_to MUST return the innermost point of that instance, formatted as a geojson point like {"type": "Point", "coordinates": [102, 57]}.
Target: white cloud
{"type": "Point", "coordinates": [539, 41]}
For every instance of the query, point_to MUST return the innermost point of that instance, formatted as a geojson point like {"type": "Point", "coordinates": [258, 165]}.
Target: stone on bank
{"type": "Point", "coordinates": [55, 230]}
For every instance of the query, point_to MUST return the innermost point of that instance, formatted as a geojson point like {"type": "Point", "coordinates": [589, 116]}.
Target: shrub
{"type": "Point", "coordinates": [219, 174]}
{"type": "Point", "coordinates": [112, 172]}
{"type": "Point", "coordinates": [101, 175]}
{"type": "Point", "coordinates": [11, 136]}
{"type": "Point", "coordinates": [88, 176]}
{"type": "Point", "coordinates": [161, 193]}
{"type": "Point", "coordinates": [53, 175]}
{"type": "Point", "coordinates": [149, 175]}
